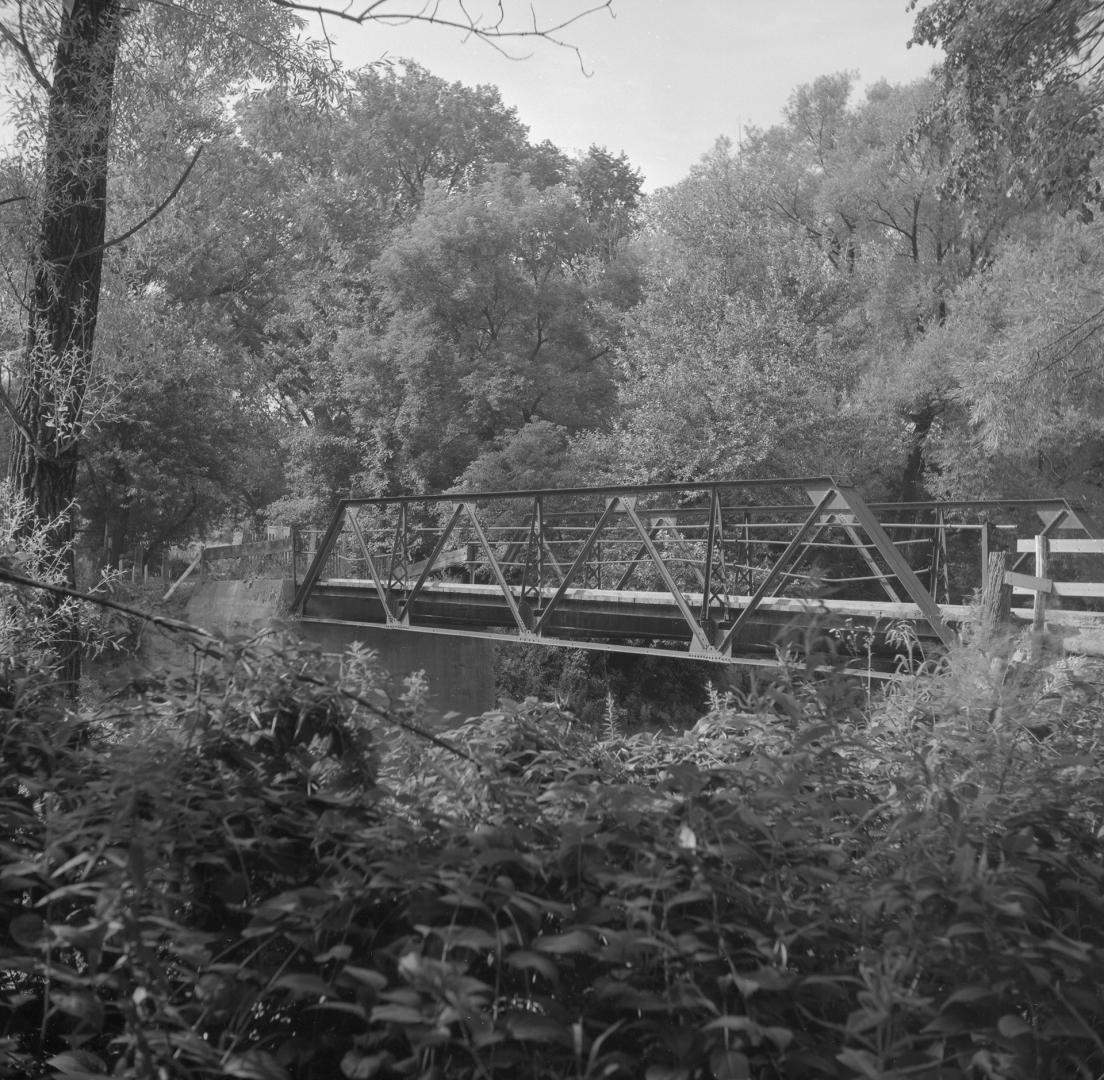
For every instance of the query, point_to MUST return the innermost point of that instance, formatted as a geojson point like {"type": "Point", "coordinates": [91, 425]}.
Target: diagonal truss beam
{"type": "Point", "coordinates": [578, 563]}
{"type": "Point", "coordinates": [404, 613]}
{"type": "Point", "coordinates": [524, 619]}
{"type": "Point", "coordinates": [904, 573]}
{"type": "Point", "coordinates": [780, 565]}
{"type": "Point", "coordinates": [699, 634]}
{"type": "Point", "coordinates": [377, 581]}
{"type": "Point", "coordinates": [314, 571]}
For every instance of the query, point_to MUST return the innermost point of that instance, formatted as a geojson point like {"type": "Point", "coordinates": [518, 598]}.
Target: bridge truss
{"type": "Point", "coordinates": [715, 571]}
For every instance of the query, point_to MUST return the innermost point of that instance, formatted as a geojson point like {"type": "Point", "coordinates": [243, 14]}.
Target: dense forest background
{"type": "Point", "coordinates": [374, 281]}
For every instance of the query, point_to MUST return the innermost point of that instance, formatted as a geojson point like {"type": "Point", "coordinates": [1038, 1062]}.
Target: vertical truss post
{"type": "Point", "coordinates": [532, 576]}
{"type": "Point", "coordinates": [713, 529]}
{"type": "Point", "coordinates": [400, 552]}
{"type": "Point", "coordinates": [749, 581]}
{"type": "Point", "coordinates": [941, 577]}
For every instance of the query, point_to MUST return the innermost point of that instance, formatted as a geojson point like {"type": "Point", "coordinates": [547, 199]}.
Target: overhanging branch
{"type": "Point", "coordinates": [492, 31]}
{"type": "Point", "coordinates": [19, 44]}
{"type": "Point", "coordinates": [123, 237]}
{"type": "Point", "coordinates": [208, 644]}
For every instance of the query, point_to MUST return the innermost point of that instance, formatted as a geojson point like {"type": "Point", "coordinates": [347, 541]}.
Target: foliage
{"type": "Point", "coordinates": [36, 631]}
{"type": "Point", "coordinates": [253, 876]}
{"type": "Point", "coordinates": [495, 319]}
{"type": "Point", "coordinates": [176, 447]}
{"type": "Point", "coordinates": [606, 690]}
{"type": "Point", "coordinates": [1019, 361]}
{"type": "Point", "coordinates": [1022, 80]}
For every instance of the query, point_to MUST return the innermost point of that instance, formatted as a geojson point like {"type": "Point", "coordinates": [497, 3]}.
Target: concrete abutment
{"type": "Point", "coordinates": [459, 671]}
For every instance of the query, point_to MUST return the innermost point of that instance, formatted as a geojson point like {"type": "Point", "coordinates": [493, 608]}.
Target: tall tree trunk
{"type": "Point", "coordinates": [68, 260]}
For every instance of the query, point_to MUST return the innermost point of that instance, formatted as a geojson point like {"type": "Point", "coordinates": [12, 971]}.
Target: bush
{"type": "Point", "coordinates": [264, 877]}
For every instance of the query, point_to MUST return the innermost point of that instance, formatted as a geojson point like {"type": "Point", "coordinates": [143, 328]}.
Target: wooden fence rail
{"type": "Point", "coordinates": [1042, 585]}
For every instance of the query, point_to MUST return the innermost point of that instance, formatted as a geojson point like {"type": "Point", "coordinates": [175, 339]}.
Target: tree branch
{"type": "Point", "coordinates": [14, 415]}
{"type": "Point", "coordinates": [472, 26]}
{"type": "Point", "coordinates": [208, 644]}
{"type": "Point", "coordinates": [123, 237]}
{"type": "Point", "coordinates": [19, 44]}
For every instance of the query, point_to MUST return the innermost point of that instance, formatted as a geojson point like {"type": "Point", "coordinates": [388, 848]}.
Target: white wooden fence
{"type": "Point", "coordinates": [1042, 586]}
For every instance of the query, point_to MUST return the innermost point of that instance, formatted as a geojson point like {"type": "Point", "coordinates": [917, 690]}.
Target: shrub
{"type": "Point", "coordinates": [264, 875]}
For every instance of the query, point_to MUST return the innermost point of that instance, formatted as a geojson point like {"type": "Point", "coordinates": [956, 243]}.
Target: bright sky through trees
{"type": "Point", "coordinates": [666, 77]}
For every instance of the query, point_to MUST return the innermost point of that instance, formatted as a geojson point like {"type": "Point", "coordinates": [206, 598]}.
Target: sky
{"type": "Point", "coordinates": [663, 79]}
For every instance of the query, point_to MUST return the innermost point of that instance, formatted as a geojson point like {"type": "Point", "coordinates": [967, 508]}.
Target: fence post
{"type": "Point", "coordinates": [996, 597]}
{"type": "Point", "coordinates": [1042, 570]}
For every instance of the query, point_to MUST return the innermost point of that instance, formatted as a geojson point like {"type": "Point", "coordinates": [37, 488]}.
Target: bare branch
{"type": "Point", "coordinates": [492, 32]}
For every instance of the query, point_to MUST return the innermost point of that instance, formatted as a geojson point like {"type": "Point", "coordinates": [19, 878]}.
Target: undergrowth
{"type": "Point", "coordinates": [257, 873]}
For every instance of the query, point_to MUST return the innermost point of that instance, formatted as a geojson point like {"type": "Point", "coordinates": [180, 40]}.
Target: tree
{"type": "Point", "coordinates": [83, 37]}
{"type": "Point", "coordinates": [1022, 80]}
{"type": "Point", "coordinates": [739, 360]}
{"type": "Point", "coordinates": [495, 318]}
{"type": "Point", "coordinates": [1020, 362]}
{"type": "Point", "coordinates": [609, 189]}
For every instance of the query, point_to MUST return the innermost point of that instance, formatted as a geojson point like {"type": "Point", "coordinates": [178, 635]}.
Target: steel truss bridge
{"type": "Point", "coordinates": [718, 571]}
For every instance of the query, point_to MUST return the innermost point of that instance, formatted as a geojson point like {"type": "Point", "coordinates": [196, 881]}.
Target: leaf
{"type": "Point", "coordinates": [368, 976]}
{"type": "Point", "coordinates": [666, 1072]}
{"type": "Point", "coordinates": [397, 1014]}
{"type": "Point", "coordinates": [254, 1065]}
{"type": "Point", "coordinates": [341, 1006]}
{"type": "Point", "coordinates": [358, 1066]}
{"type": "Point", "coordinates": [737, 1023]}
{"type": "Point", "coordinates": [524, 960]}
{"type": "Point", "coordinates": [82, 1005]}
{"type": "Point", "coordinates": [690, 896]}
{"type": "Point", "coordinates": [574, 941]}
{"type": "Point", "coordinates": [27, 930]}
{"type": "Point", "coordinates": [863, 1062]}
{"type": "Point", "coordinates": [302, 983]}
{"type": "Point", "coordinates": [730, 1065]}
{"type": "Point", "coordinates": [78, 1064]}
{"type": "Point", "coordinates": [1012, 1027]}
{"type": "Point", "coordinates": [526, 1027]}
{"type": "Point", "coordinates": [968, 994]}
